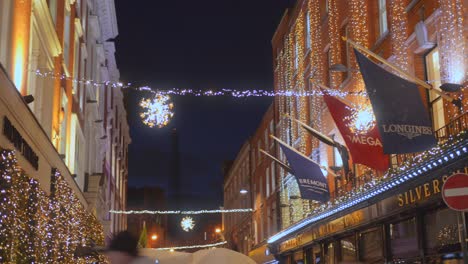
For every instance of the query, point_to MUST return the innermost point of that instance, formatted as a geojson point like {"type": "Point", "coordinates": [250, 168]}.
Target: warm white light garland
{"type": "Point", "coordinates": [194, 246]}
{"type": "Point", "coordinates": [238, 93]}
{"type": "Point", "coordinates": [183, 212]}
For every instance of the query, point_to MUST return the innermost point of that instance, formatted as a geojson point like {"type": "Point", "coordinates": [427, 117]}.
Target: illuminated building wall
{"type": "Point", "coordinates": [86, 124]}
{"type": "Point", "coordinates": [307, 47]}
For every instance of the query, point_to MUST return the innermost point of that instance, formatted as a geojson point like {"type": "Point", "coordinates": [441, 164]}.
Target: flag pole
{"type": "Point", "coordinates": [317, 134]}
{"type": "Point", "coordinates": [291, 148]}
{"type": "Point", "coordinates": [400, 71]}
{"type": "Point", "coordinates": [284, 166]}
{"type": "Point", "coordinates": [329, 141]}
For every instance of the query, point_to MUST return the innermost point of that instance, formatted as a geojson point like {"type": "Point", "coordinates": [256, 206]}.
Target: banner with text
{"type": "Point", "coordinates": [365, 148]}
{"type": "Point", "coordinates": [312, 183]}
{"type": "Point", "coordinates": [401, 117]}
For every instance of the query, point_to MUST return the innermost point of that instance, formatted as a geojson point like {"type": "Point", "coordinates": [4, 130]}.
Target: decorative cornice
{"type": "Point", "coordinates": [46, 28]}
{"type": "Point", "coordinates": [108, 19]}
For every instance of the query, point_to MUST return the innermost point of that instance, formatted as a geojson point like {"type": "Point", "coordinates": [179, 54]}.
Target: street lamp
{"type": "Point", "coordinates": [243, 191]}
{"type": "Point", "coordinates": [154, 237]}
{"type": "Point", "coordinates": [218, 230]}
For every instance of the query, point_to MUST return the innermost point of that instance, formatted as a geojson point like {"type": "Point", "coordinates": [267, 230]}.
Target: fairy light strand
{"type": "Point", "coordinates": [182, 212]}
{"type": "Point", "coordinates": [193, 246]}
{"type": "Point", "coordinates": [237, 93]}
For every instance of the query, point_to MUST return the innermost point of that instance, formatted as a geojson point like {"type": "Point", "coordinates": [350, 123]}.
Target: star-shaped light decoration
{"type": "Point", "coordinates": [187, 223]}
{"type": "Point", "coordinates": [157, 111]}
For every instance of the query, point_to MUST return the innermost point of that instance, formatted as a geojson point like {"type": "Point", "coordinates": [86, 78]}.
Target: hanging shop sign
{"type": "Point", "coordinates": [12, 134]}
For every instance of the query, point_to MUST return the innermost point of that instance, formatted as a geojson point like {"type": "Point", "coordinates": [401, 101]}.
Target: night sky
{"type": "Point", "coordinates": [205, 44]}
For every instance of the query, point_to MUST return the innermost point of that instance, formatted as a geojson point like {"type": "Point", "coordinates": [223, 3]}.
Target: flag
{"type": "Point", "coordinates": [365, 148]}
{"type": "Point", "coordinates": [402, 119]}
{"type": "Point", "coordinates": [312, 183]}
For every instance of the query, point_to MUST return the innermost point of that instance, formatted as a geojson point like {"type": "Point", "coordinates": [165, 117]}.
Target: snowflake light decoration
{"type": "Point", "coordinates": [187, 223]}
{"type": "Point", "coordinates": [157, 111]}
{"type": "Point", "coordinates": [362, 119]}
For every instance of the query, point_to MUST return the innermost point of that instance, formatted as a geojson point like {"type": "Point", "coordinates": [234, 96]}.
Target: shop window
{"type": "Point", "coordinates": [317, 255]}
{"type": "Point", "coordinates": [441, 229]}
{"type": "Point", "coordinates": [299, 257]}
{"type": "Point", "coordinates": [371, 246]}
{"type": "Point", "coordinates": [433, 75]}
{"type": "Point", "coordinates": [404, 239]}
{"type": "Point", "coordinates": [348, 249]}
{"type": "Point", "coordinates": [330, 253]}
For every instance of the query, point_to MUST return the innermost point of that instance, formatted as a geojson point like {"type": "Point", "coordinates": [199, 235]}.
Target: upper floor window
{"type": "Point", "coordinates": [296, 55]}
{"type": "Point", "coordinates": [323, 8]}
{"type": "Point", "coordinates": [307, 31]}
{"type": "Point", "coordinates": [433, 75]}
{"type": "Point", "coordinates": [66, 38]}
{"type": "Point", "coordinates": [53, 10]}
{"type": "Point", "coordinates": [383, 27]}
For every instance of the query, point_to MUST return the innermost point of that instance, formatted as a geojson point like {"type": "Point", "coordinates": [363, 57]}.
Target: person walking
{"type": "Point", "coordinates": [123, 249]}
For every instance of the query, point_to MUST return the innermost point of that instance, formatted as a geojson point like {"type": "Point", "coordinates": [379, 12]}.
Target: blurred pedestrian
{"type": "Point", "coordinates": [123, 249]}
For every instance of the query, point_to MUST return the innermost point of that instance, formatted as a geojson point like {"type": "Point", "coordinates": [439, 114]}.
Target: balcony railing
{"type": "Point", "coordinates": [453, 128]}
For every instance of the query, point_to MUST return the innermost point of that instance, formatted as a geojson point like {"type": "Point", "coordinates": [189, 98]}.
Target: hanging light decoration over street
{"type": "Point", "coordinates": [157, 111]}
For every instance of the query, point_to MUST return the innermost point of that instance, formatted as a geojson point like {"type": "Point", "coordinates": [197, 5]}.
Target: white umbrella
{"type": "Point", "coordinates": [220, 256]}
{"type": "Point", "coordinates": [166, 256]}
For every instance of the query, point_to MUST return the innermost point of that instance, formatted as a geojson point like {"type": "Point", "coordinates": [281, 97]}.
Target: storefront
{"type": "Point", "coordinates": [414, 226]}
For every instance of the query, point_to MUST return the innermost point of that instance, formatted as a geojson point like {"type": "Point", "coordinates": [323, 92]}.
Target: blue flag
{"type": "Point", "coordinates": [312, 184]}
{"type": "Point", "coordinates": [402, 119]}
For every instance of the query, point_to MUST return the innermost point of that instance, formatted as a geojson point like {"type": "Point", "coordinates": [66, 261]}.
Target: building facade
{"type": "Point", "coordinates": [426, 38]}
{"type": "Point", "coordinates": [59, 92]}
{"type": "Point", "coordinates": [237, 226]}
{"type": "Point", "coordinates": [265, 217]}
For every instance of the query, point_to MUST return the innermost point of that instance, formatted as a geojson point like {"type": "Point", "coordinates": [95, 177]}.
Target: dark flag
{"type": "Point", "coordinates": [365, 148]}
{"type": "Point", "coordinates": [312, 183]}
{"type": "Point", "coordinates": [401, 117]}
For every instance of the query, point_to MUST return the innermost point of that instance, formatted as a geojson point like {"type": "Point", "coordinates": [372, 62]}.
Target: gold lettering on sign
{"type": "Point", "coordinates": [427, 193]}
{"type": "Point", "coordinates": [435, 185]}
{"type": "Point", "coordinates": [422, 192]}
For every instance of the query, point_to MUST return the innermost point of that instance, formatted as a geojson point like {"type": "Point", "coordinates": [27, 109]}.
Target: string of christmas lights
{"type": "Point", "coordinates": [182, 212]}
{"type": "Point", "coordinates": [193, 246]}
{"type": "Point", "coordinates": [238, 93]}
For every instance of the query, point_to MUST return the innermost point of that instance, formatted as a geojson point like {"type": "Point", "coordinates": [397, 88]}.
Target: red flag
{"type": "Point", "coordinates": [365, 148]}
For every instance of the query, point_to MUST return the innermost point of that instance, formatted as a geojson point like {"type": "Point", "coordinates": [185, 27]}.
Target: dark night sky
{"type": "Point", "coordinates": [203, 44]}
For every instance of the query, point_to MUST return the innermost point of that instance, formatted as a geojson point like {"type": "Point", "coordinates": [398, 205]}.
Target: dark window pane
{"type": "Point", "coordinates": [348, 249]}
{"type": "Point", "coordinates": [404, 239]}
{"type": "Point", "coordinates": [441, 232]}
{"type": "Point", "coordinates": [372, 246]}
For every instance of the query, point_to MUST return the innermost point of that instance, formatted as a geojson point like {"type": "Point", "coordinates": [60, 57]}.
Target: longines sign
{"type": "Point", "coordinates": [20, 143]}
